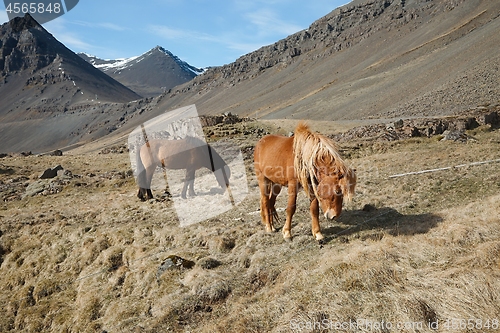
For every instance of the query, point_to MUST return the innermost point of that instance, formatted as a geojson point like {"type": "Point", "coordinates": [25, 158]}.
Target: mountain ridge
{"type": "Point", "coordinates": [357, 43]}
{"type": "Point", "coordinates": [41, 82]}
{"type": "Point", "coordinates": [364, 62]}
{"type": "Point", "coordinates": [150, 74]}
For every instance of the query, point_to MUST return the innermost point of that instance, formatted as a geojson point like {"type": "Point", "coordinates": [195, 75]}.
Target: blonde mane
{"type": "Point", "coordinates": [308, 149]}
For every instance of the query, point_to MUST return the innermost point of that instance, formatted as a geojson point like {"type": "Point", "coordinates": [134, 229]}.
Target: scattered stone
{"type": "Point", "coordinates": [209, 263]}
{"type": "Point", "coordinates": [227, 118]}
{"type": "Point", "coordinates": [56, 152]}
{"type": "Point", "coordinates": [427, 127]}
{"type": "Point", "coordinates": [173, 262]}
{"type": "Point", "coordinates": [64, 174]}
{"type": "Point", "coordinates": [369, 208]}
{"type": "Point", "coordinates": [457, 136]}
{"type": "Point", "coordinates": [51, 173]}
{"type": "Point", "coordinates": [492, 119]}
{"type": "Point", "coordinates": [114, 150]}
{"type": "Point", "coordinates": [398, 124]}
{"type": "Point", "coordinates": [35, 188]}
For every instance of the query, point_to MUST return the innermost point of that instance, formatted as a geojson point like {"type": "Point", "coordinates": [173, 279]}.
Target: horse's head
{"type": "Point", "coordinates": [330, 196]}
{"type": "Point", "coordinates": [332, 188]}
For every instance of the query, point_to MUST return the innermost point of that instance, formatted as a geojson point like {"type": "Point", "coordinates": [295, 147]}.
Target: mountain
{"type": "Point", "coordinates": [149, 74]}
{"type": "Point", "coordinates": [43, 84]}
{"type": "Point", "coordinates": [368, 59]}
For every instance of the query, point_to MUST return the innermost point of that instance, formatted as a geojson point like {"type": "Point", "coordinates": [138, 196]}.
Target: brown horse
{"type": "Point", "coordinates": [308, 160]}
{"type": "Point", "coordinates": [189, 153]}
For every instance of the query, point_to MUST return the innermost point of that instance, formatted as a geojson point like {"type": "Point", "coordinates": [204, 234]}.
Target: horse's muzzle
{"type": "Point", "coordinates": [330, 214]}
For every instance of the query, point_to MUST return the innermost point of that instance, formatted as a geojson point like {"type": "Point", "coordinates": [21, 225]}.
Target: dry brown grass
{"type": "Point", "coordinates": [86, 259]}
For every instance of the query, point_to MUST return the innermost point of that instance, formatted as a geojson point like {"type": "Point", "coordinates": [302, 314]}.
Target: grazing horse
{"type": "Point", "coordinates": [189, 153]}
{"type": "Point", "coordinates": [308, 160]}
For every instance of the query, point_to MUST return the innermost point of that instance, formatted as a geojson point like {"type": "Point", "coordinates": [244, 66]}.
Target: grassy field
{"type": "Point", "coordinates": [418, 253]}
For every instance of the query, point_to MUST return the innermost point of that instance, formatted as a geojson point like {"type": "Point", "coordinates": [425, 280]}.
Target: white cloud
{"type": "Point", "coordinates": [3, 17]}
{"type": "Point", "coordinates": [105, 25]}
{"type": "Point", "coordinates": [111, 26]}
{"type": "Point", "coordinates": [59, 30]}
{"type": "Point", "coordinates": [268, 23]}
{"type": "Point", "coordinates": [176, 34]}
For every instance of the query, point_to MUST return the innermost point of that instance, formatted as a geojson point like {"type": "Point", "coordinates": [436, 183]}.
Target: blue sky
{"type": "Point", "coordinates": [201, 32]}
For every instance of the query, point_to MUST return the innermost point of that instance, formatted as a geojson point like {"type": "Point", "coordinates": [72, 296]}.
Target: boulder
{"type": "Point", "coordinates": [51, 173]}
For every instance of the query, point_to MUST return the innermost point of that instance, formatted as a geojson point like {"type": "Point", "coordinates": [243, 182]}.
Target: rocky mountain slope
{"type": "Point", "coordinates": [42, 83]}
{"type": "Point", "coordinates": [377, 58]}
{"type": "Point", "coordinates": [367, 60]}
{"type": "Point", "coordinates": [149, 74]}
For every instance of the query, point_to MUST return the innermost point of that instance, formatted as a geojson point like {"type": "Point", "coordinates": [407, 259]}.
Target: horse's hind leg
{"type": "Point", "coordinates": [275, 190]}
{"type": "Point", "coordinates": [141, 194]}
{"type": "Point", "coordinates": [265, 204]}
{"type": "Point", "coordinates": [188, 183]}
{"type": "Point", "coordinates": [145, 192]}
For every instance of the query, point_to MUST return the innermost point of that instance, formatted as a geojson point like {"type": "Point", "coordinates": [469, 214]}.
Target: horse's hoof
{"type": "Point", "coordinates": [319, 237]}
{"type": "Point", "coordinates": [270, 230]}
{"type": "Point", "coordinates": [287, 235]}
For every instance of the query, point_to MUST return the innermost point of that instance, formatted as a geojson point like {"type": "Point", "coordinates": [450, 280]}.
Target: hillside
{"type": "Point", "coordinates": [407, 88]}
{"type": "Point", "coordinates": [365, 61]}
{"type": "Point", "coordinates": [85, 255]}
{"type": "Point", "coordinates": [378, 58]}
{"type": "Point", "coordinates": [42, 84]}
{"type": "Point", "coordinates": [149, 74]}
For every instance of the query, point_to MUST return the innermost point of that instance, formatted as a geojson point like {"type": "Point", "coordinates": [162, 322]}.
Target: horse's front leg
{"type": "Point", "coordinates": [290, 210]}
{"type": "Point", "coordinates": [314, 208]}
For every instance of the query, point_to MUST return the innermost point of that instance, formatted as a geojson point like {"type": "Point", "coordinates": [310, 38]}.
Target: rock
{"type": "Point", "coordinates": [369, 208]}
{"type": "Point", "coordinates": [173, 262]}
{"type": "Point", "coordinates": [64, 174]}
{"type": "Point", "coordinates": [455, 136]}
{"type": "Point", "coordinates": [209, 263]}
{"type": "Point", "coordinates": [471, 123]}
{"type": "Point", "coordinates": [35, 188]}
{"type": "Point", "coordinates": [412, 132]}
{"type": "Point", "coordinates": [490, 118]}
{"type": "Point", "coordinates": [51, 173]}
{"type": "Point", "coordinates": [56, 153]}
{"type": "Point", "coordinates": [398, 124]}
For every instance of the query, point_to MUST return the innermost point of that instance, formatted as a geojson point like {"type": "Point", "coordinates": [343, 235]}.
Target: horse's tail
{"type": "Point", "coordinates": [218, 163]}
